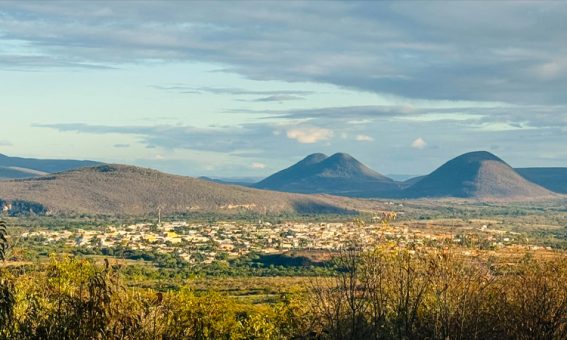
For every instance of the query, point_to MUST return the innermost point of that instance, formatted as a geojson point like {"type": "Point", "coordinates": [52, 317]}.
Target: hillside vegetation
{"type": "Point", "coordinates": [128, 190]}
{"type": "Point", "coordinates": [383, 293]}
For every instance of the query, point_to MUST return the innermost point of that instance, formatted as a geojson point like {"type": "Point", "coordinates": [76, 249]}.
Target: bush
{"type": "Point", "coordinates": [76, 299]}
{"type": "Point", "coordinates": [404, 294]}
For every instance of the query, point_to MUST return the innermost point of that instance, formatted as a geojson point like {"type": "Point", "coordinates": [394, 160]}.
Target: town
{"type": "Point", "coordinates": [198, 243]}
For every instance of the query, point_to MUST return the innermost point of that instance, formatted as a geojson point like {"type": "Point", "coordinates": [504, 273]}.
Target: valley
{"type": "Point", "coordinates": [283, 170]}
{"type": "Point", "coordinates": [238, 254]}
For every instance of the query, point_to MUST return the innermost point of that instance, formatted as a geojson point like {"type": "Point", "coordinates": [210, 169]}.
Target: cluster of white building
{"type": "Point", "coordinates": [204, 242]}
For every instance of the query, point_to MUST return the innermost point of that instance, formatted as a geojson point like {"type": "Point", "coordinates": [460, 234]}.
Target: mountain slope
{"type": "Point", "coordinates": [128, 190]}
{"type": "Point", "coordinates": [13, 172]}
{"type": "Point", "coordinates": [411, 181]}
{"type": "Point", "coordinates": [339, 174]}
{"type": "Point", "coordinates": [17, 167]}
{"type": "Point", "coordinates": [554, 179]}
{"type": "Point", "coordinates": [477, 174]}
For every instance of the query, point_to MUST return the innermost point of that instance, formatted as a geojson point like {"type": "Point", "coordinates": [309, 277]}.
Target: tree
{"type": "Point", "coordinates": [3, 240]}
{"type": "Point", "coordinates": [7, 294]}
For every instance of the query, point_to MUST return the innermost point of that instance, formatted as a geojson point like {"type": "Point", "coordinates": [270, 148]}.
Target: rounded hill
{"type": "Point", "coordinates": [127, 190]}
{"type": "Point", "coordinates": [340, 174]}
{"type": "Point", "coordinates": [478, 174]}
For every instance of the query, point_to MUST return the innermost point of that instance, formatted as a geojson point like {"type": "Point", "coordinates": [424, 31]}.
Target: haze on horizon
{"type": "Point", "coordinates": [247, 88]}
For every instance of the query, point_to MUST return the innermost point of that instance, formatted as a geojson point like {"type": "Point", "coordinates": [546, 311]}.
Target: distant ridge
{"type": "Point", "coordinates": [244, 181]}
{"type": "Point", "coordinates": [554, 179]}
{"type": "Point", "coordinates": [129, 190]}
{"type": "Point", "coordinates": [340, 174]}
{"type": "Point", "coordinates": [411, 181]}
{"type": "Point", "coordinates": [17, 167]}
{"type": "Point", "coordinates": [478, 174]}
{"type": "Point", "coordinates": [13, 172]}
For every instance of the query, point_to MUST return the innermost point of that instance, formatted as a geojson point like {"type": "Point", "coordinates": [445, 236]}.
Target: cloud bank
{"type": "Point", "coordinates": [512, 52]}
{"type": "Point", "coordinates": [460, 74]}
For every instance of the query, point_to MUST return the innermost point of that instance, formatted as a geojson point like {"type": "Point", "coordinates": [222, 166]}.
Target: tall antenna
{"type": "Point", "coordinates": [159, 216]}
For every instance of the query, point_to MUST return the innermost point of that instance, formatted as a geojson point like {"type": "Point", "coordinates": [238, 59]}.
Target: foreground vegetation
{"type": "Point", "coordinates": [402, 294]}
{"type": "Point", "coordinates": [386, 292]}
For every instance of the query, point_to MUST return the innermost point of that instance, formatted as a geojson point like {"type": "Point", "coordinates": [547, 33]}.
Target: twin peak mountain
{"type": "Point", "coordinates": [85, 187]}
{"type": "Point", "coordinates": [478, 174]}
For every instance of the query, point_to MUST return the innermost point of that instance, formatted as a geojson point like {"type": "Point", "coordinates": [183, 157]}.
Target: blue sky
{"type": "Point", "coordinates": [246, 88]}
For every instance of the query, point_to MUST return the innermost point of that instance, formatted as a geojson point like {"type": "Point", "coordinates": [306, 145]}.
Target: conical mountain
{"type": "Point", "coordinates": [478, 174]}
{"type": "Point", "coordinates": [301, 169]}
{"type": "Point", "coordinates": [340, 174]}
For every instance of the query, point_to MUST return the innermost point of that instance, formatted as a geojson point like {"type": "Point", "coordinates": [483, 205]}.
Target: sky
{"type": "Point", "coordinates": [233, 89]}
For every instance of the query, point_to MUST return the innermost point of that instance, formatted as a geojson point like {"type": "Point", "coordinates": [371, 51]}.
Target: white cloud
{"type": "Point", "coordinates": [359, 121]}
{"type": "Point", "coordinates": [257, 165]}
{"type": "Point", "coordinates": [309, 135]}
{"type": "Point", "coordinates": [364, 138]}
{"type": "Point", "coordinates": [551, 70]}
{"type": "Point", "coordinates": [419, 143]}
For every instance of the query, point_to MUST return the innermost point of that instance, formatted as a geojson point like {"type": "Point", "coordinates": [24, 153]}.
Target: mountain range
{"type": "Point", "coordinates": [316, 184]}
{"type": "Point", "coordinates": [341, 169]}
{"type": "Point", "coordinates": [476, 175]}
